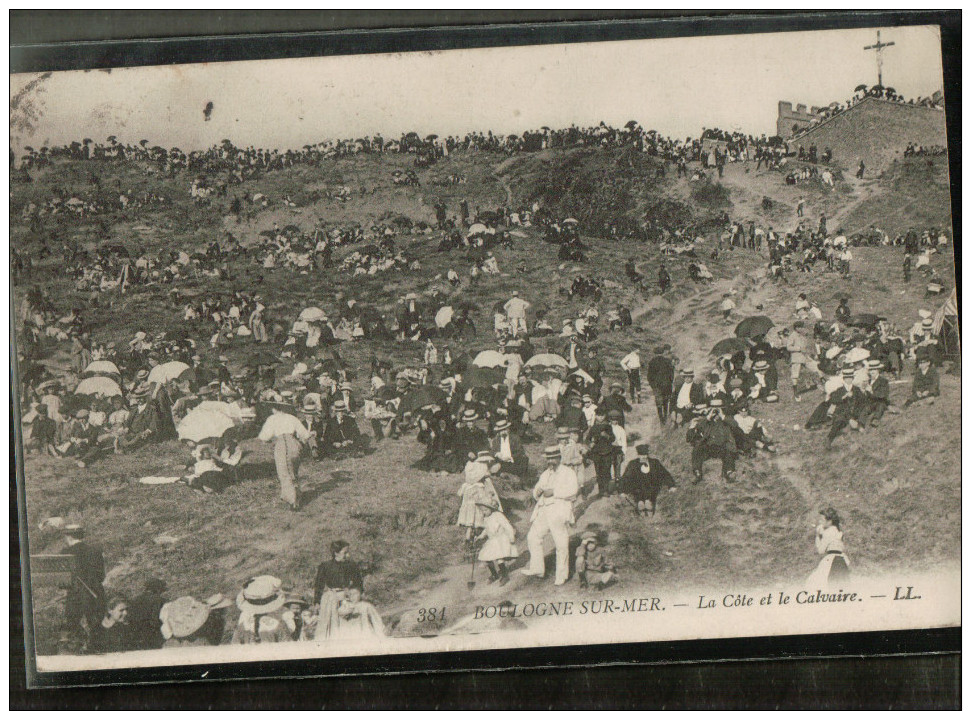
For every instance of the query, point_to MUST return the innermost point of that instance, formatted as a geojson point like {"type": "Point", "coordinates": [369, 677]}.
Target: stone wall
{"type": "Point", "coordinates": [791, 118]}
{"type": "Point", "coordinates": [875, 131]}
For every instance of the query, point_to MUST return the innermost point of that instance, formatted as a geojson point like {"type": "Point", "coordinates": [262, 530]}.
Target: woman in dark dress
{"type": "Point", "coordinates": [334, 578]}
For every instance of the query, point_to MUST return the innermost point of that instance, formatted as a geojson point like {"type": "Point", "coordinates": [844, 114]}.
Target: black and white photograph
{"type": "Point", "coordinates": [497, 348]}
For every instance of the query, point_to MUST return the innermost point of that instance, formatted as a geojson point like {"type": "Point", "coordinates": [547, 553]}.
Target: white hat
{"type": "Point", "coordinates": [182, 617]}
{"type": "Point", "coordinates": [261, 595]}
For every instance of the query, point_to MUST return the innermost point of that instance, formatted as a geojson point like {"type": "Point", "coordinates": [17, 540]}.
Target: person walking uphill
{"type": "Point", "coordinates": [288, 435]}
{"type": "Point", "coordinates": [555, 493]}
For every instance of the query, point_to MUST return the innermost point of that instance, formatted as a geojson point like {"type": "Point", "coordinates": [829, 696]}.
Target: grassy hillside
{"type": "Point", "coordinates": [897, 486]}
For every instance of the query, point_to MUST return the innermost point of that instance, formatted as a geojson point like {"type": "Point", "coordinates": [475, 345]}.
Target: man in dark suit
{"type": "Point", "coordinates": [594, 367]}
{"type": "Point", "coordinates": [85, 603]}
{"type": "Point", "coordinates": [660, 374]}
{"type": "Point", "coordinates": [711, 438]}
{"type": "Point", "coordinates": [927, 383]}
{"type": "Point", "coordinates": [877, 394]}
{"type": "Point", "coordinates": [847, 406]}
{"type": "Point", "coordinates": [615, 400]}
{"type": "Point", "coordinates": [509, 451]}
{"type": "Point", "coordinates": [762, 383]}
{"type": "Point", "coordinates": [688, 395]}
{"type": "Point", "coordinates": [572, 416]}
{"type": "Point", "coordinates": [643, 480]}
{"type": "Point", "coordinates": [340, 432]}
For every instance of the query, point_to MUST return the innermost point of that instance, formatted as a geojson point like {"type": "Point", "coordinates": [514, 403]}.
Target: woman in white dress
{"type": "Point", "coordinates": [834, 568]}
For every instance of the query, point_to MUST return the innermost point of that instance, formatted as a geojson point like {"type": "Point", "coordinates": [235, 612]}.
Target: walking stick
{"type": "Point", "coordinates": [471, 583]}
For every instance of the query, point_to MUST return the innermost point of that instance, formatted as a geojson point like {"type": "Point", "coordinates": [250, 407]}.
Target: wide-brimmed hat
{"type": "Point", "coordinates": [848, 370]}
{"type": "Point", "coordinates": [927, 324]}
{"type": "Point", "coordinates": [183, 617]}
{"type": "Point", "coordinates": [760, 365]}
{"type": "Point", "coordinates": [875, 364]}
{"type": "Point", "coordinates": [470, 416]}
{"type": "Point", "coordinates": [502, 425]}
{"type": "Point", "coordinates": [261, 595]}
{"type": "Point", "coordinates": [552, 452]}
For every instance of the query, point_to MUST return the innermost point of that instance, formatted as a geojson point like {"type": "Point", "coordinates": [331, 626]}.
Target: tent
{"type": "Point", "coordinates": [946, 326]}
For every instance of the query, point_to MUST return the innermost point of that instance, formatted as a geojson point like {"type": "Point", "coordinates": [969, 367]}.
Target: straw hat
{"type": "Point", "coordinates": [261, 595]}
{"type": "Point", "coordinates": [502, 425]}
{"type": "Point", "coordinates": [552, 452]}
{"type": "Point", "coordinates": [183, 617]}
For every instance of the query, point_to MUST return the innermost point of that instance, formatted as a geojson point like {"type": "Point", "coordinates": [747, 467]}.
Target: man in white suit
{"type": "Point", "coordinates": [555, 493]}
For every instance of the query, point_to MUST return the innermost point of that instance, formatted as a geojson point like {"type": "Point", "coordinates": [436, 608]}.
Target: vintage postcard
{"type": "Point", "coordinates": [486, 349]}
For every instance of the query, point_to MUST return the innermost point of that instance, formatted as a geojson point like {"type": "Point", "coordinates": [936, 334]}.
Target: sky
{"type": "Point", "coordinates": [676, 86]}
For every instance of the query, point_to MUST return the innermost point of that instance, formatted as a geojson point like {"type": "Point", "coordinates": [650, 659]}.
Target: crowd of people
{"type": "Point", "coordinates": [243, 368]}
{"type": "Point", "coordinates": [864, 92]}
{"type": "Point", "coordinates": [266, 611]}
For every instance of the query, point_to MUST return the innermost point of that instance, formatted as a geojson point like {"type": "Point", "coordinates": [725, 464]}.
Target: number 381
{"type": "Point", "coordinates": [431, 614]}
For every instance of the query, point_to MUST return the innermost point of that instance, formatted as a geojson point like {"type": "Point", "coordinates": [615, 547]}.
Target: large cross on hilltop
{"type": "Point", "coordinates": [879, 47]}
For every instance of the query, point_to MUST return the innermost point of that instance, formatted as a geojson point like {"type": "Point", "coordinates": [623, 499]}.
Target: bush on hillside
{"type": "Point", "coordinates": [711, 195]}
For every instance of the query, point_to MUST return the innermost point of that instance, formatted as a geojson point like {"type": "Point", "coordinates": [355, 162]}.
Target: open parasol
{"type": "Point", "coordinates": [754, 326]}
{"type": "Point", "coordinates": [102, 366]}
{"type": "Point", "coordinates": [200, 425]}
{"type": "Point", "coordinates": [729, 346]}
{"type": "Point", "coordinates": [312, 313]}
{"type": "Point", "coordinates": [167, 372]}
{"type": "Point", "coordinates": [98, 385]}
{"type": "Point", "coordinates": [489, 359]}
{"type": "Point", "coordinates": [546, 360]}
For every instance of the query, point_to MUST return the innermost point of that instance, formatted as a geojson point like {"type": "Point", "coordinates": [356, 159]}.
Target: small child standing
{"type": "Point", "coordinates": [500, 544]}
{"type": "Point", "coordinates": [727, 306]}
{"type": "Point", "coordinates": [591, 564]}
